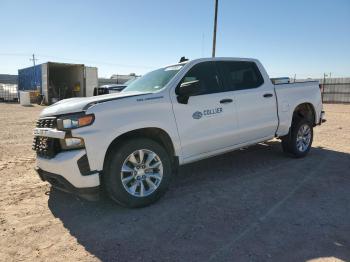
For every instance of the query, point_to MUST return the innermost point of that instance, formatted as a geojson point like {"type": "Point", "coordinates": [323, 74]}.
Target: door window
{"type": "Point", "coordinates": [240, 75]}
{"type": "Point", "coordinates": [207, 76]}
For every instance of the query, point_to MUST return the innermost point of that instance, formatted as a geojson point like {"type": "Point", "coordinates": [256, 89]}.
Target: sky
{"type": "Point", "coordinates": [302, 37]}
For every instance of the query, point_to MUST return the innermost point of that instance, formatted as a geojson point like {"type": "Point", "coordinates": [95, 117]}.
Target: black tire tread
{"type": "Point", "coordinates": [289, 141]}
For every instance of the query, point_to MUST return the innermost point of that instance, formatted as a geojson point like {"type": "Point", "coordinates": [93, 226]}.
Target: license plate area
{"type": "Point", "coordinates": [49, 132]}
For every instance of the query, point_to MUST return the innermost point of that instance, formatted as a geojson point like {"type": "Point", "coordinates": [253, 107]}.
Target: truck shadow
{"type": "Point", "coordinates": [252, 204]}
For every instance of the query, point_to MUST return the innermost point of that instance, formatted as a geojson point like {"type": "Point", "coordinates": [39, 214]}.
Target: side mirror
{"type": "Point", "coordinates": [185, 90]}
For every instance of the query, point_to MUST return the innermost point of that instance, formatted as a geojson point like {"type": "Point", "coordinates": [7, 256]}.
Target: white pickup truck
{"type": "Point", "coordinates": [131, 142]}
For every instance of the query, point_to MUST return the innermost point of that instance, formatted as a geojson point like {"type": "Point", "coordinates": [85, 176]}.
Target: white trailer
{"type": "Point", "coordinates": [57, 81]}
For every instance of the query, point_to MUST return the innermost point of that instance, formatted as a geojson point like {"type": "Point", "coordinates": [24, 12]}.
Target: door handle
{"type": "Point", "coordinates": [268, 95]}
{"type": "Point", "coordinates": [226, 101]}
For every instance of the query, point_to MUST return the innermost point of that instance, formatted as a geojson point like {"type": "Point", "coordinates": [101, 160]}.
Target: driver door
{"type": "Point", "coordinates": [208, 121]}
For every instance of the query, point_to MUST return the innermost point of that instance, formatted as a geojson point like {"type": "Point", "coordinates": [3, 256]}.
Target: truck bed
{"type": "Point", "coordinates": [290, 95]}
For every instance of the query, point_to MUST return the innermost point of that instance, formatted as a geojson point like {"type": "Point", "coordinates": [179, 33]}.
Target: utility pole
{"type": "Point", "coordinates": [215, 25]}
{"type": "Point", "coordinates": [33, 59]}
{"type": "Point", "coordinates": [34, 73]}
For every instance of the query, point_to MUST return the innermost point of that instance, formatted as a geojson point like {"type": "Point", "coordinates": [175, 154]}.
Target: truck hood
{"type": "Point", "coordinates": [79, 104]}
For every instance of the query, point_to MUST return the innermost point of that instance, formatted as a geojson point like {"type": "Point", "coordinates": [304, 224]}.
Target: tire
{"type": "Point", "coordinates": [139, 183]}
{"type": "Point", "coordinates": [292, 144]}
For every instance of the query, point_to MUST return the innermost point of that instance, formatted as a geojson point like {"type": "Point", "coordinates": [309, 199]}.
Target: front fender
{"type": "Point", "coordinates": [113, 119]}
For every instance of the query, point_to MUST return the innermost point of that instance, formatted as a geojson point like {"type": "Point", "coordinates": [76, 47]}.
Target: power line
{"type": "Point", "coordinates": [15, 54]}
{"type": "Point", "coordinates": [78, 60]}
{"type": "Point", "coordinates": [96, 62]}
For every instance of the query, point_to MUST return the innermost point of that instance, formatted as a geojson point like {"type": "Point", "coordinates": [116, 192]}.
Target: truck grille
{"type": "Point", "coordinates": [46, 147]}
{"type": "Point", "coordinates": [48, 122]}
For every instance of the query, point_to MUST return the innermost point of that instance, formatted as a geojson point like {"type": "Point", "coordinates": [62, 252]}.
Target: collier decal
{"type": "Point", "coordinates": [197, 115]}
{"type": "Point", "coordinates": [207, 112]}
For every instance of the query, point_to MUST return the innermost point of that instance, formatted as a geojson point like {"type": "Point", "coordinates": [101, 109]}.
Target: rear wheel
{"type": "Point", "coordinates": [299, 140]}
{"type": "Point", "coordinates": [137, 173]}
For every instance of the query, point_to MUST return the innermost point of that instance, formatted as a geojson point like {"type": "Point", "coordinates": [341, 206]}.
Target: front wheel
{"type": "Point", "coordinates": [299, 140]}
{"type": "Point", "coordinates": [137, 173]}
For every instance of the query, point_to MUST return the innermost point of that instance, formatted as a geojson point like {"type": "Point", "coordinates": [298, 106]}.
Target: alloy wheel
{"type": "Point", "coordinates": [142, 173]}
{"type": "Point", "coordinates": [303, 138]}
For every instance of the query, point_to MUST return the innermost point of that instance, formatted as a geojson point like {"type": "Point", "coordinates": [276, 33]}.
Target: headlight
{"type": "Point", "coordinates": [72, 143]}
{"type": "Point", "coordinates": [74, 121]}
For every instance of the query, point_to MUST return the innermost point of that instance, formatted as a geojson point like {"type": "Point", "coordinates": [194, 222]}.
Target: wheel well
{"type": "Point", "coordinates": [306, 111]}
{"type": "Point", "coordinates": [156, 134]}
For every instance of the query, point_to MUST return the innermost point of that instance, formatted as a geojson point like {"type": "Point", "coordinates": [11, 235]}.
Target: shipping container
{"type": "Point", "coordinates": [57, 81]}
{"type": "Point", "coordinates": [29, 78]}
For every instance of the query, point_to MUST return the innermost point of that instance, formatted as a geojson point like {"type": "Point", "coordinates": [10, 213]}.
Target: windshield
{"type": "Point", "coordinates": [130, 80]}
{"type": "Point", "coordinates": [154, 81]}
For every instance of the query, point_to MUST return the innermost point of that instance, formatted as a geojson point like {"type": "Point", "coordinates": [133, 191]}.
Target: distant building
{"type": "Point", "coordinates": [8, 79]}
{"type": "Point", "coordinates": [123, 78]}
{"type": "Point", "coordinates": [116, 79]}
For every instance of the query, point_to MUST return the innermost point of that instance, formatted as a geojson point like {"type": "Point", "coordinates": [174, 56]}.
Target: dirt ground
{"type": "Point", "coordinates": [254, 204]}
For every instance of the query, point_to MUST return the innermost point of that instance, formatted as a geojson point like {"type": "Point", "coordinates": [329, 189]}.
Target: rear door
{"type": "Point", "coordinates": [208, 121]}
{"type": "Point", "coordinates": [45, 82]}
{"type": "Point", "coordinates": [254, 99]}
{"type": "Point", "coordinates": [91, 80]}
